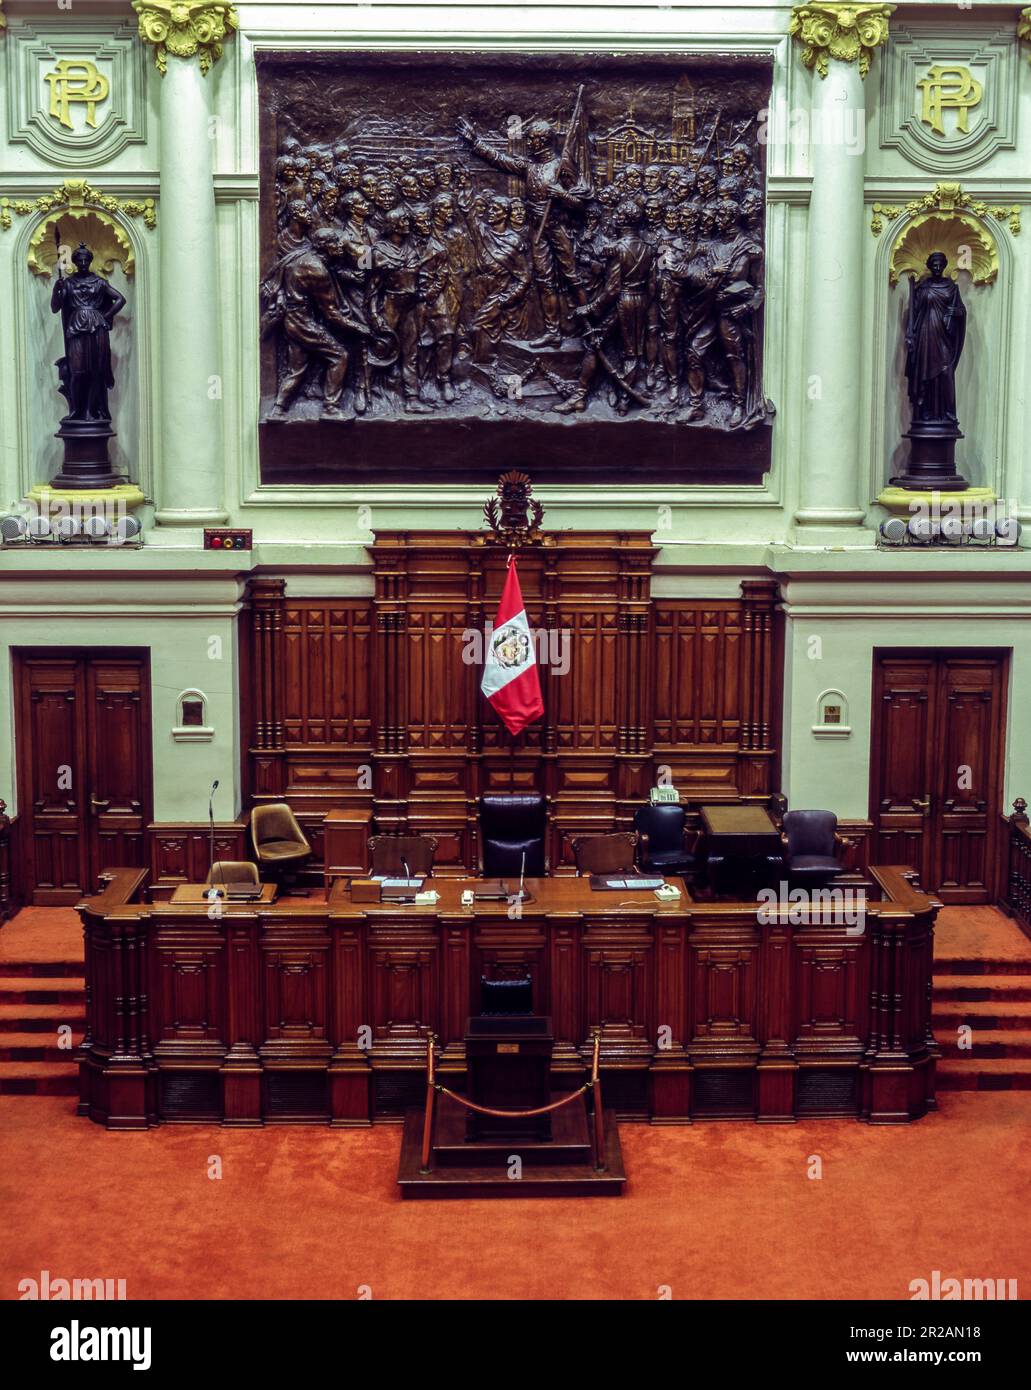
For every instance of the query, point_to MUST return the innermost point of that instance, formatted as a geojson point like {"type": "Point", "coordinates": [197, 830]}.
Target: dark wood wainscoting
{"type": "Point", "coordinates": [371, 705]}
{"type": "Point", "coordinates": [938, 737]}
{"type": "Point", "coordinates": [83, 748]}
{"type": "Point", "coordinates": [319, 1012]}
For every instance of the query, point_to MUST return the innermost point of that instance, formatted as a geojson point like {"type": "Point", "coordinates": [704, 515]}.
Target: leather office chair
{"type": "Point", "coordinates": [663, 843]}
{"type": "Point", "coordinates": [388, 854]}
{"type": "Point", "coordinates": [605, 854]}
{"type": "Point", "coordinates": [511, 825]}
{"type": "Point", "coordinates": [229, 871]}
{"type": "Point", "coordinates": [280, 846]}
{"type": "Point", "coordinates": [810, 840]}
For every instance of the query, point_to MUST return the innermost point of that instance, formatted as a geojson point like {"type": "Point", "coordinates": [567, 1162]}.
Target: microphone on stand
{"type": "Point", "coordinates": [408, 872]}
{"type": "Point", "coordinates": [211, 837]}
{"type": "Point", "coordinates": [522, 878]}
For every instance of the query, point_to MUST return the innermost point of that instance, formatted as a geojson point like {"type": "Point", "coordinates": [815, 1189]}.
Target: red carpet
{"type": "Point", "coordinates": [713, 1211]}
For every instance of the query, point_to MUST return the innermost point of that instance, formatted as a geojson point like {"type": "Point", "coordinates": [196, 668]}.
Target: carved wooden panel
{"type": "Point", "coordinates": [831, 989]}
{"type": "Point", "coordinates": [189, 994]}
{"type": "Point", "coordinates": [378, 706]}
{"type": "Point", "coordinates": [327, 658]}
{"type": "Point", "coordinates": [295, 994]}
{"type": "Point", "coordinates": [724, 991]}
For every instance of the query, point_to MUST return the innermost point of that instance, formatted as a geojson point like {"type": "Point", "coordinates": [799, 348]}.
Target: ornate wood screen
{"type": "Point", "coordinates": [376, 704]}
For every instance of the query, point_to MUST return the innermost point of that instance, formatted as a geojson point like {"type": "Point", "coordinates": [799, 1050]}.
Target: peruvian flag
{"type": "Point", "coordinates": [510, 680]}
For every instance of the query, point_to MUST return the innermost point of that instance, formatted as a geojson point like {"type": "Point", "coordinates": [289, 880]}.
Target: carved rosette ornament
{"type": "Point", "coordinates": [849, 33]}
{"type": "Point", "coordinates": [186, 27]}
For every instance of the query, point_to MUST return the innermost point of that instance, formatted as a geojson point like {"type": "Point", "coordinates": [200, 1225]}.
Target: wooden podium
{"type": "Point", "coordinates": [509, 1064]}
{"type": "Point", "coordinates": [543, 1145]}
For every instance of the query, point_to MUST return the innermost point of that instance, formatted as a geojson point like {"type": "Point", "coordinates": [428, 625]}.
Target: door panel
{"type": "Point", "coordinates": [935, 767]}
{"type": "Point", "coordinates": [118, 761]}
{"type": "Point", "coordinates": [54, 786]}
{"type": "Point", "coordinates": [903, 761]}
{"type": "Point", "coordinates": [83, 749]}
{"type": "Point", "coordinates": [970, 716]}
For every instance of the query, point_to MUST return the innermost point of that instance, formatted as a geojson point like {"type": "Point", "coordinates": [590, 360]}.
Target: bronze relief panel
{"type": "Point", "coordinates": [473, 261]}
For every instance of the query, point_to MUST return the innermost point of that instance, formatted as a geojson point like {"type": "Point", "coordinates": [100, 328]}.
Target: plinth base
{"type": "Point", "coordinates": [123, 494]}
{"type": "Point", "coordinates": [486, 1174]}
{"type": "Point", "coordinates": [932, 460]}
{"type": "Point", "coordinates": [902, 500]}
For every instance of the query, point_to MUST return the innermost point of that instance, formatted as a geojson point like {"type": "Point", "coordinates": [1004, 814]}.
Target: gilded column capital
{"type": "Point", "coordinates": [849, 33]}
{"type": "Point", "coordinates": [1023, 25]}
{"type": "Point", "coordinates": [186, 27]}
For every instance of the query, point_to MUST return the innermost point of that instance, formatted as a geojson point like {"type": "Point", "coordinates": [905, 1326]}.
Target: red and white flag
{"type": "Point", "coordinates": [510, 679]}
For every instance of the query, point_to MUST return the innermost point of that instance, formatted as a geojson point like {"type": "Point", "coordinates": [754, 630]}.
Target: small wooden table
{"type": "Point", "coordinates": [742, 845]}
{"type": "Point", "coordinates": [197, 893]}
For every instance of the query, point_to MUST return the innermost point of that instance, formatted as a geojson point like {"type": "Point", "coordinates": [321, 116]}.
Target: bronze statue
{"type": "Point", "coordinates": [935, 330]}
{"type": "Point", "coordinates": [88, 305]}
{"type": "Point", "coordinates": [934, 335]}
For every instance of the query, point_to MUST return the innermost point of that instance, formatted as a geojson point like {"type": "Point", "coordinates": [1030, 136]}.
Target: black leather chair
{"type": "Point", "coordinates": [512, 824]}
{"type": "Point", "coordinates": [663, 847]}
{"type": "Point", "coordinates": [810, 840]}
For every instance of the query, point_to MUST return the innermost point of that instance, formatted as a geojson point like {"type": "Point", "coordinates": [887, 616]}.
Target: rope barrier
{"type": "Point", "coordinates": [513, 1114]}
{"type": "Point", "coordinates": [434, 1087]}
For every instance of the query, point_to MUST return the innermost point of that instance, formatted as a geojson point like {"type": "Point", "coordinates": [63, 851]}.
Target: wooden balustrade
{"type": "Point", "coordinates": [1018, 877]}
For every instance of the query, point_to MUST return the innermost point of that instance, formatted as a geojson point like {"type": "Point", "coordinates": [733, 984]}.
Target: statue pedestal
{"type": "Point", "coordinates": [86, 464]}
{"type": "Point", "coordinates": [932, 460]}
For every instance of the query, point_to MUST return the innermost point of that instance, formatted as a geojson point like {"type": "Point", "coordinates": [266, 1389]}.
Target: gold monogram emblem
{"type": "Point", "coordinates": [949, 89]}
{"type": "Point", "coordinates": [76, 79]}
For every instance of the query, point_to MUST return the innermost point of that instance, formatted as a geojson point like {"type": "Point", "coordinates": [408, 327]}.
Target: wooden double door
{"type": "Point", "coordinates": [83, 746]}
{"type": "Point", "coordinates": [937, 747]}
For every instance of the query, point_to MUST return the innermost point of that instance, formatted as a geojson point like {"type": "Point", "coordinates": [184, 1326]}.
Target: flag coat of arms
{"type": "Point", "coordinates": [511, 681]}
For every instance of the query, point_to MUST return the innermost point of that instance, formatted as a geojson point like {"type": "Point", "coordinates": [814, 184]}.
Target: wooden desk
{"type": "Point", "coordinates": [196, 894]}
{"type": "Point", "coordinates": [736, 825]}
{"type": "Point", "coordinates": [743, 849]}
{"type": "Point", "coordinates": [318, 1011]}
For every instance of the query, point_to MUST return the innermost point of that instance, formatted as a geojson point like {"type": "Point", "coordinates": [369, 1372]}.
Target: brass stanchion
{"type": "Point", "coordinates": [599, 1118]}
{"type": "Point", "coordinates": [427, 1124]}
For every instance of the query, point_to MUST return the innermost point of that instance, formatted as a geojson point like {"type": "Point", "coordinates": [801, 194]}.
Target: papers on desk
{"type": "Point", "coordinates": [636, 881]}
{"type": "Point", "coordinates": [411, 885]}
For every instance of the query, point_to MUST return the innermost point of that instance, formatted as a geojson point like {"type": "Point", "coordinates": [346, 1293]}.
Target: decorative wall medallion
{"type": "Point", "coordinates": [74, 81]}
{"type": "Point", "coordinates": [949, 89]}
{"type": "Point", "coordinates": [75, 97]}
{"type": "Point", "coordinates": [946, 220]}
{"type": "Point", "coordinates": [949, 102]}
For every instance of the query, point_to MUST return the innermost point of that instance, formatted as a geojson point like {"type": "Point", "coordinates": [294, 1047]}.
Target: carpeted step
{"type": "Point", "coordinates": [976, 965]}
{"type": "Point", "coordinates": [37, 1047]}
{"type": "Point", "coordinates": [39, 1078]}
{"type": "Point", "coordinates": [31, 989]}
{"type": "Point", "coordinates": [1003, 989]}
{"type": "Point", "coordinates": [42, 1018]}
{"type": "Point", "coordinates": [989, 1074]}
{"type": "Point", "coordinates": [986, 1042]}
{"type": "Point", "coordinates": [42, 969]}
{"type": "Point", "coordinates": [982, 1013]}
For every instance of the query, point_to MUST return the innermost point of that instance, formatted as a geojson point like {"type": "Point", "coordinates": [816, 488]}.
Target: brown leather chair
{"type": "Point", "coordinates": [280, 846]}
{"type": "Point", "coordinates": [388, 854]}
{"type": "Point", "coordinates": [229, 871]}
{"type": "Point", "coordinates": [605, 854]}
